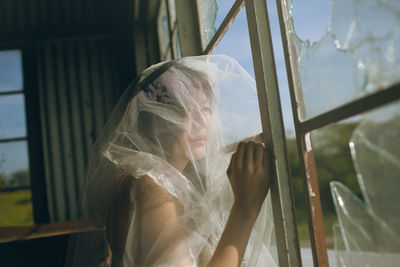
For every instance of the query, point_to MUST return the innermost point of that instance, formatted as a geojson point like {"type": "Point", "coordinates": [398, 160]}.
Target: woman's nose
{"type": "Point", "coordinates": [200, 119]}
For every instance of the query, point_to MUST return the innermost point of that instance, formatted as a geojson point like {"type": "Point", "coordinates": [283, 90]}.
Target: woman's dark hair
{"type": "Point", "coordinates": [167, 131]}
{"type": "Point", "coordinates": [163, 94]}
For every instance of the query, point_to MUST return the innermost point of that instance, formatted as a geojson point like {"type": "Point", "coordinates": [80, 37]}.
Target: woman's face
{"type": "Point", "coordinates": [198, 126]}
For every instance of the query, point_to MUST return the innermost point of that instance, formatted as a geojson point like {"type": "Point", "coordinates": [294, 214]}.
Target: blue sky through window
{"type": "Point", "coordinates": [311, 21]}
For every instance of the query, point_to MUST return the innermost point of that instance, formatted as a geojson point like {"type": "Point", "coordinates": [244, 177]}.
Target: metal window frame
{"type": "Point", "coordinates": [270, 109]}
{"type": "Point", "coordinates": [303, 130]}
{"type": "Point", "coordinates": [224, 27]}
{"type": "Point", "coordinates": [172, 46]}
{"type": "Point", "coordinates": [18, 138]}
{"type": "Point", "coordinates": [272, 123]}
{"type": "Point", "coordinates": [188, 21]}
{"type": "Point", "coordinates": [273, 132]}
{"type": "Point", "coordinates": [33, 136]}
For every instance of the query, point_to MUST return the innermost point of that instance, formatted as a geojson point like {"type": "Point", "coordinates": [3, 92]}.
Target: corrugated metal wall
{"type": "Point", "coordinates": [41, 17]}
{"type": "Point", "coordinates": [83, 54]}
{"type": "Point", "coordinates": [77, 87]}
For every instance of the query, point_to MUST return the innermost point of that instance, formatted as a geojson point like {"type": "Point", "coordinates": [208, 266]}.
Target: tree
{"type": "Point", "coordinates": [2, 180]}
{"type": "Point", "coordinates": [19, 178]}
{"type": "Point", "coordinates": [333, 163]}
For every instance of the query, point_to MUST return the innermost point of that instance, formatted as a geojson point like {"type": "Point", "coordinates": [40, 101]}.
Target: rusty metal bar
{"type": "Point", "coordinates": [353, 108]}
{"type": "Point", "coordinates": [273, 132]}
{"type": "Point", "coordinates": [224, 27]}
{"type": "Point", "coordinates": [306, 154]}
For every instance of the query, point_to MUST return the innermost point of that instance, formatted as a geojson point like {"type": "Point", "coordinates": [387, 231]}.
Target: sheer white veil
{"type": "Point", "coordinates": [191, 108]}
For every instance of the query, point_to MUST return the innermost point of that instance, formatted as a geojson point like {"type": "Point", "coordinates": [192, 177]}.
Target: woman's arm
{"type": "Point", "coordinates": [249, 173]}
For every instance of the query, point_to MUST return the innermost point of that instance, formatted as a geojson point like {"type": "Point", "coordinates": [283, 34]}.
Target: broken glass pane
{"type": "Point", "coordinates": [346, 258]}
{"type": "Point", "coordinates": [376, 156]}
{"type": "Point", "coordinates": [163, 30]}
{"type": "Point", "coordinates": [359, 53]}
{"type": "Point", "coordinates": [208, 12]}
{"type": "Point", "coordinates": [333, 162]}
{"type": "Point", "coordinates": [368, 233]}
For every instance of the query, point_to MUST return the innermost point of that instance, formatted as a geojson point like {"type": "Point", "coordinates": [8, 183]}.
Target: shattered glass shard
{"type": "Point", "coordinates": [327, 75]}
{"type": "Point", "coordinates": [368, 233]}
{"type": "Point", "coordinates": [208, 12]}
{"type": "Point", "coordinates": [359, 54]}
{"type": "Point", "coordinates": [376, 155]}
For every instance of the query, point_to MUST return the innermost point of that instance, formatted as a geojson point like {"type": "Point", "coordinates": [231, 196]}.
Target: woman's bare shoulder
{"type": "Point", "coordinates": [152, 195]}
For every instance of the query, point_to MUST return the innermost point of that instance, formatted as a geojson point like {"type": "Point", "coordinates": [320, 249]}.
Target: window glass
{"type": "Point", "coordinates": [358, 161]}
{"type": "Point", "coordinates": [12, 116]}
{"type": "Point", "coordinates": [15, 194]}
{"type": "Point", "coordinates": [163, 30]}
{"type": "Point", "coordinates": [223, 7]}
{"type": "Point", "coordinates": [10, 70]}
{"type": "Point", "coordinates": [333, 163]}
{"type": "Point", "coordinates": [236, 42]}
{"type": "Point", "coordinates": [14, 164]}
{"type": "Point", "coordinates": [208, 12]}
{"type": "Point", "coordinates": [354, 52]}
{"type": "Point", "coordinates": [238, 36]}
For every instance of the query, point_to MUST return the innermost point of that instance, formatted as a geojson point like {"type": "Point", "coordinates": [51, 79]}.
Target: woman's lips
{"type": "Point", "coordinates": [199, 141]}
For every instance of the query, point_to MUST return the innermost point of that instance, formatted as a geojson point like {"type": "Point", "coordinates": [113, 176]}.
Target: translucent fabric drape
{"type": "Point", "coordinates": [166, 143]}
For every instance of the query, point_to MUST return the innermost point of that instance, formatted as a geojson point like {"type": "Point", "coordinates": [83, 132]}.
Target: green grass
{"type": "Point", "coordinates": [16, 208]}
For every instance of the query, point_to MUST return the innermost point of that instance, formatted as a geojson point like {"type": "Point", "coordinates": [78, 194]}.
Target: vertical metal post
{"type": "Point", "coordinates": [306, 154]}
{"type": "Point", "coordinates": [273, 131]}
{"type": "Point", "coordinates": [189, 27]}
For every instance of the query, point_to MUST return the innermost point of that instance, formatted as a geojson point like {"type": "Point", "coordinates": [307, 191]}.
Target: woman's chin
{"type": "Point", "coordinates": [199, 152]}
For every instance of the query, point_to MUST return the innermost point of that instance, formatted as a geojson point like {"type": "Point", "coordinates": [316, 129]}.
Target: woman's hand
{"type": "Point", "coordinates": [249, 173]}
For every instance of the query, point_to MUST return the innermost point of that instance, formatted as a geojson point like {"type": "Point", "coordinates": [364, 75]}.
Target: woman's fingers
{"type": "Point", "coordinates": [259, 155]}
{"type": "Point", "coordinates": [249, 174]}
{"type": "Point", "coordinates": [249, 155]}
{"type": "Point", "coordinates": [240, 154]}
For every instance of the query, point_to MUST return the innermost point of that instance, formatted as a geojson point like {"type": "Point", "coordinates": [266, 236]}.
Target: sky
{"type": "Point", "coordinates": [311, 19]}
{"type": "Point", "coordinates": [13, 155]}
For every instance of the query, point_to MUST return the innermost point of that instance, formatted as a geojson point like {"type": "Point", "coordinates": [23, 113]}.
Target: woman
{"type": "Point", "coordinates": [161, 181]}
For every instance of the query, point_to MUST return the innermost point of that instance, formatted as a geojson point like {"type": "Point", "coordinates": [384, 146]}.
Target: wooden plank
{"type": "Point", "coordinates": [18, 233]}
